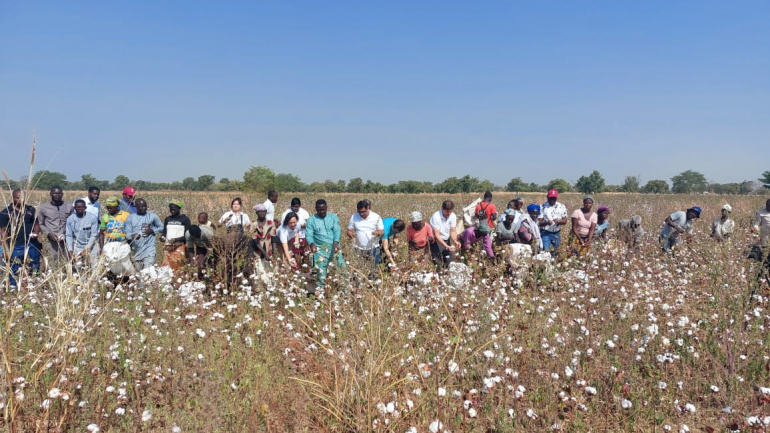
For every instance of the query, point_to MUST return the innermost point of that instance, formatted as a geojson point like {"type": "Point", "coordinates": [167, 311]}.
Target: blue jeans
{"type": "Point", "coordinates": [17, 258]}
{"type": "Point", "coordinates": [550, 239]}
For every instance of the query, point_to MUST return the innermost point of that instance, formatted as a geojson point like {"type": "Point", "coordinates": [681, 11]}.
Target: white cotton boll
{"type": "Point", "coordinates": [610, 344]}
{"type": "Point", "coordinates": [472, 413]}
{"type": "Point", "coordinates": [489, 354]}
{"type": "Point", "coordinates": [714, 388]}
{"type": "Point", "coordinates": [590, 390]}
{"type": "Point", "coordinates": [626, 404]}
{"type": "Point", "coordinates": [54, 393]}
{"type": "Point", "coordinates": [435, 426]}
{"type": "Point", "coordinates": [441, 391]}
{"type": "Point", "coordinates": [662, 385]}
{"type": "Point", "coordinates": [411, 430]}
{"type": "Point", "coordinates": [684, 429]}
{"type": "Point", "coordinates": [511, 413]}
{"type": "Point", "coordinates": [92, 428]}
{"type": "Point", "coordinates": [46, 404]}
{"type": "Point", "coordinates": [120, 411]}
{"type": "Point", "coordinates": [568, 371]}
{"type": "Point", "coordinates": [531, 414]}
{"type": "Point", "coordinates": [764, 390]}
{"type": "Point", "coordinates": [689, 407]}
{"type": "Point", "coordinates": [146, 415]}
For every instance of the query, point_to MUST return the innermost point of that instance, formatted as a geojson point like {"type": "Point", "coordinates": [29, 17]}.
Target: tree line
{"type": "Point", "coordinates": [263, 179]}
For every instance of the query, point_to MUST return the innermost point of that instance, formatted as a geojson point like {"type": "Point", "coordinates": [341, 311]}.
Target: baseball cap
{"type": "Point", "coordinates": [129, 190]}
{"type": "Point", "coordinates": [697, 210]}
{"type": "Point", "coordinates": [415, 217]}
{"type": "Point", "coordinates": [553, 193]}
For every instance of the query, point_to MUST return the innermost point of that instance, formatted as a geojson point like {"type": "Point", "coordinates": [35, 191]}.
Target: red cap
{"type": "Point", "coordinates": [129, 190]}
{"type": "Point", "coordinates": [553, 193]}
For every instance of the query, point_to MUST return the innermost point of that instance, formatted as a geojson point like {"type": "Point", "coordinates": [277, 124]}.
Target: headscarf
{"type": "Point", "coordinates": [603, 208]}
{"type": "Point", "coordinates": [112, 201]}
{"type": "Point", "coordinates": [259, 207]}
{"type": "Point", "coordinates": [588, 197]}
{"type": "Point", "coordinates": [533, 207]}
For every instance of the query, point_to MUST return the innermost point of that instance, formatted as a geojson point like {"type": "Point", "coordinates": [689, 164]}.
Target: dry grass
{"type": "Point", "coordinates": [570, 351]}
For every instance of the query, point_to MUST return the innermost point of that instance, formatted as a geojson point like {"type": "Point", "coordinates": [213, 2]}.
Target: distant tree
{"type": "Point", "coordinates": [590, 184]}
{"type": "Point", "coordinates": [373, 187]}
{"type": "Point", "coordinates": [631, 184]}
{"type": "Point", "coordinates": [317, 187]}
{"type": "Point", "coordinates": [450, 185]}
{"type": "Point", "coordinates": [286, 182]}
{"type": "Point", "coordinates": [765, 179]}
{"type": "Point", "coordinates": [45, 179]}
{"type": "Point", "coordinates": [656, 186]}
{"type": "Point", "coordinates": [355, 185]}
{"type": "Point", "coordinates": [204, 182]}
{"type": "Point", "coordinates": [517, 185]}
{"type": "Point", "coordinates": [259, 179]}
{"type": "Point", "coordinates": [485, 185]}
{"type": "Point", "coordinates": [88, 180]}
{"type": "Point", "coordinates": [688, 182]}
{"type": "Point", "coordinates": [120, 182]}
{"type": "Point", "coordinates": [189, 184]}
{"type": "Point", "coordinates": [560, 185]}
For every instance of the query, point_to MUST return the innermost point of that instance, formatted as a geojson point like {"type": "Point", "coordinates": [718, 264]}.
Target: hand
{"type": "Point", "coordinates": [313, 248]}
{"type": "Point", "coordinates": [52, 237]}
{"type": "Point", "coordinates": [296, 244]}
{"type": "Point", "coordinates": [336, 248]}
{"type": "Point", "coordinates": [147, 231]}
{"type": "Point", "coordinates": [136, 236]}
{"type": "Point", "coordinates": [754, 229]}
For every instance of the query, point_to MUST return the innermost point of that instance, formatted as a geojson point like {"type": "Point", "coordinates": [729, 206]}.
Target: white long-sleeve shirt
{"type": "Point", "coordinates": [762, 223]}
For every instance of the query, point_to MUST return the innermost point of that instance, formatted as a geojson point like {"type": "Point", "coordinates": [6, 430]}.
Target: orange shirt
{"type": "Point", "coordinates": [420, 237]}
{"type": "Point", "coordinates": [490, 209]}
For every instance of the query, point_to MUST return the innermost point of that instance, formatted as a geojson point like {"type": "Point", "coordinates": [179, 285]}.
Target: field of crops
{"type": "Point", "coordinates": [617, 342]}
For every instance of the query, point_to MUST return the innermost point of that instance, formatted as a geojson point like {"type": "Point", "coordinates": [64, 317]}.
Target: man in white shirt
{"type": "Point", "coordinates": [676, 224]}
{"type": "Point", "coordinates": [92, 201]}
{"type": "Point", "coordinates": [365, 229]}
{"type": "Point", "coordinates": [553, 216]}
{"type": "Point", "coordinates": [762, 224]}
{"type": "Point", "coordinates": [444, 225]}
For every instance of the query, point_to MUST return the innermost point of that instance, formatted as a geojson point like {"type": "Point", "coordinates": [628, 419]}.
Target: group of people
{"type": "Point", "coordinates": [78, 231]}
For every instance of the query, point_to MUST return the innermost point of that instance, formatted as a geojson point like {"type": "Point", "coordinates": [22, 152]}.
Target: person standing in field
{"type": "Point", "coordinates": [583, 224]}
{"type": "Point", "coordinates": [553, 216]}
{"type": "Point", "coordinates": [389, 242]}
{"type": "Point", "coordinates": [444, 225]}
{"type": "Point", "coordinates": [175, 227]}
{"type": "Point", "coordinates": [18, 236]}
{"type": "Point", "coordinates": [323, 234]}
{"type": "Point", "coordinates": [722, 227]}
{"type": "Point", "coordinates": [288, 233]}
{"type": "Point", "coordinates": [487, 211]}
{"type": "Point", "coordinates": [141, 228]}
{"type": "Point", "coordinates": [676, 224]}
{"type": "Point", "coordinates": [630, 231]}
{"type": "Point", "coordinates": [506, 230]}
{"type": "Point", "coordinates": [602, 222]}
{"type": "Point", "coordinates": [82, 232]}
{"type": "Point", "coordinates": [529, 231]}
{"type": "Point", "coordinates": [92, 201]}
{"type": "Point", "coordinates": [761, 224]}
{"type": "Point", "coordinates": [365, 229]}
{"type": "Point", "coordinates": [235, 220]}
{"type": "Point", "coordinates": [112, 225]}
{"type": "Point", "coordinates": [263, 231]}
{"type": "Point", "coordinates": [419, 237]}
{"type": "Point", "coordinates": [52, 217]}
{"type": "Point", "coordinates": [272, 199]}
{"type": "Point", "coordinates": [127, 204]}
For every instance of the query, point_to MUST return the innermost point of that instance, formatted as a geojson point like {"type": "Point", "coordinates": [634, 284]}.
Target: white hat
{"type": "Point", "coordinates": [415, 216]}
{"type": "Point", "coordinates": [728, 208]}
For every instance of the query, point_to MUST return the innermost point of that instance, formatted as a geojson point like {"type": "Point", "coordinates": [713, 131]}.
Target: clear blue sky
{"type": "Point", "coordinates": [387, 91]}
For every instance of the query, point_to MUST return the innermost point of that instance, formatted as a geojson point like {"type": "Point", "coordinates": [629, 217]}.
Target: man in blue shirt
{"type": "Point", "coordinates": [82, 232]}
{"type": "Point", "coordinates": [323, 237]}
{"type": "Point", "coordinates": [393, 227]}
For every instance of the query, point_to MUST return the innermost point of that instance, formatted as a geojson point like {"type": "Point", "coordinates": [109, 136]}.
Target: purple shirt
{"type": "Point", "coordinates": [468, 238]}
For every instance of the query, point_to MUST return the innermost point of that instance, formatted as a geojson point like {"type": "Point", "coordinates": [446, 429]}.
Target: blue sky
{"type": "Point", "coordinates": [387, 91]}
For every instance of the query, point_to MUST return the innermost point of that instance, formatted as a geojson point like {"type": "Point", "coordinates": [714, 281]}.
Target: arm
{"type": "Point", "coordinates": [453, 237]}
{"type": "Point", "coordinates": [310, 235]}
{"type": "Point", "coordinates": [672, 224]}
{"type": "Point", "coordinates": [488, 246]}
{"type": "Point", "coordinates": [156, 225]}
{"type": "Point", "coordinates": [69, 235]}
{"type": "Point", "coordinates": [386, 249]}
{"type": "Point", "coordinates": [590, 234]}
{"type": "Point", "coordinates": [574, 227]}
{"type": "Point", "coordinates": [757, 222]}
